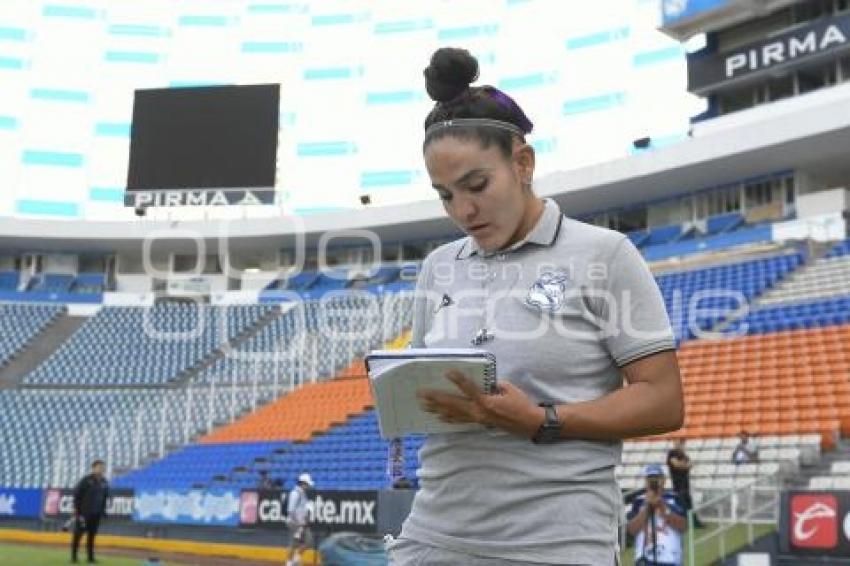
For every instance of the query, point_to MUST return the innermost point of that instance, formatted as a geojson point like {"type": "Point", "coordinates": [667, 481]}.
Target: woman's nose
{"type": "Point", "coordinates": [466, 209]}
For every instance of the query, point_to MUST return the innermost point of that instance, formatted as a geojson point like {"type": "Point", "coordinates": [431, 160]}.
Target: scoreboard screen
{"type": "Point", "coordinates": [203, 145]}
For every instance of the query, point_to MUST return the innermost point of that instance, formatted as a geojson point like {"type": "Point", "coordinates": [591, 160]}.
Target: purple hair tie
{"type": "Point", "coordinates": [508, 103]}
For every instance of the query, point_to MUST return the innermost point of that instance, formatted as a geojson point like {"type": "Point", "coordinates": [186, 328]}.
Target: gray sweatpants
{"type": "Point", "coordinates": [406, 552]}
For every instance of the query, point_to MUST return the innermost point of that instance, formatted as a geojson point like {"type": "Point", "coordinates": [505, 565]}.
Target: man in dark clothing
{"type": "Point", "coordinates": [265, 481]}
{"type": "Point", "coordinates": [90, 497]}
{"type": "Point", "coordinates": [745, 452]}
{"type": "Point", "coordinates": [680, 472]}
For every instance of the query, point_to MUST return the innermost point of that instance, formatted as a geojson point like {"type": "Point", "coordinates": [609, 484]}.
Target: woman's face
{"type": "Point", "coordinates": [482, 191]}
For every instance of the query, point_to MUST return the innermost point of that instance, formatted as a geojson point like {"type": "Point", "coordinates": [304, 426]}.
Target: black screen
{"type": "Point", "coordinates": [204, 138]}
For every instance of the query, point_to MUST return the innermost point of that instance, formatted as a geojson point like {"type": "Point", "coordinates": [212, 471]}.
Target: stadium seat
{"type": "Point", "coordinates": [144, 345]}
{"type": "Point", "coordinates": [9, 280]}
{"type": "Point", "coordinates": [727, 285]}
{"type": "Point", "coordinates": [787, 383]}
{"type": "Point", "coordinates": [20, 324]}
{"type": "Point", "coordinates": [723, 222]}
{"type": "Point", "coordinates": [298, 416]}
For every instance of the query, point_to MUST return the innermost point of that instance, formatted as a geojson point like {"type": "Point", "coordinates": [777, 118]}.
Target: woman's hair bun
{"type": "Point", "coordinates": [450, 73]}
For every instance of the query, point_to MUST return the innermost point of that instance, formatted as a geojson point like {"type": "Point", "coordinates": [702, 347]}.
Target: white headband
{"type": "Point", "coordinates": [471, 122]}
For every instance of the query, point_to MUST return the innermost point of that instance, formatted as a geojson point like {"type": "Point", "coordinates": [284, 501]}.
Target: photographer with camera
{"type": "Point", "coordinates": [657, 521]}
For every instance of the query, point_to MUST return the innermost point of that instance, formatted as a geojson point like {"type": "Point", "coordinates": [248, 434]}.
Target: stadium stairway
{"type": "Point", "coordinates": [823, 468]}
{"type": "Point", "coordinates": [233, 344]}
{"type": "Point", "coordinates": [148, 360]}
{"type": "Point", "coordinates": [813, 253]}
{"type": "Point", "coordinates": [39, 349]}
{"type": "Point", "coordinates": [727, 284]}
{"type": "Point", "coordinates": [822, 277]}
{"type": "Point", "coordinates": [824, 274]}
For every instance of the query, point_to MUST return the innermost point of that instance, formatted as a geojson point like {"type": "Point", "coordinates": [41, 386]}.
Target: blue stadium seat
{"type": "Point", "coordinates": [663, 234]}
{"type": "Point", "coordinates": [814, 314]}
{"type": "Point", "coordinates": [50, 283]}
{"type": "Point", "coordinates": [841, 249]}
{"type": "Point", "coordinates": [747, 280]}
{"type": "Point", "coordinates": [723, 222]}
{"type": "Point", "coordinates": [140, 345]}
{"type": "Point", "coordinates": [89, 283]}
{"type": "Point", "coordinates": [9, 280]}
{"type": "Point", "coordinates": [366, 467]}
{"type": "Point", "coordinates": [19, 324]}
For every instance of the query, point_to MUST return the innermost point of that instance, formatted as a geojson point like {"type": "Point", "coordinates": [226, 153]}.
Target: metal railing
{"type": "Point", "coordinates": [726, 514]}
{"type": "Point", "coordinates": [752, 506]}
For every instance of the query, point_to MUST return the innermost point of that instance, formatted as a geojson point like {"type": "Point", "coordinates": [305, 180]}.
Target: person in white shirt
{"type": "Point", "coordinates": [297, 519]}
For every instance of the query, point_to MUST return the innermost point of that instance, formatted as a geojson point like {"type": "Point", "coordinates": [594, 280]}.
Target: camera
{"type": "Point", "coordinates": [654, 485]}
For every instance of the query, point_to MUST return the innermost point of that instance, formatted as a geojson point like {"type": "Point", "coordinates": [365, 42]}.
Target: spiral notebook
{"type": "Point", "coordinates": [396, 375]}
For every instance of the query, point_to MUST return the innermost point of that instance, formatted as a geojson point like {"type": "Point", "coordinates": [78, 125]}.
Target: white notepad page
{"type": "Point", "coordinates": [395, 376]}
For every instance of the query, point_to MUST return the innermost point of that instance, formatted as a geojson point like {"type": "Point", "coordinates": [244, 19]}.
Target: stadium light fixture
{"type": "Point", "coordinates": [642, 143]}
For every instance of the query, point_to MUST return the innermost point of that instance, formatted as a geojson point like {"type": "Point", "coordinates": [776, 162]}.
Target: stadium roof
{"type": "Point", "coordinates": [810, 132]}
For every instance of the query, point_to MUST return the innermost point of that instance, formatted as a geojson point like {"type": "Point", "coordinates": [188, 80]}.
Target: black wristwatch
{"type": "Point", "coordinates": [550, 430]}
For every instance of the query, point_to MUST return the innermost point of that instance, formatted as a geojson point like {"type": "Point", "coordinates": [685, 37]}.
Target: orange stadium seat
{"type": "Point", "coordinates": [300, 415]}
{"type": "Point", "coordinates": [790, 382]}
{"type": "Point", "coordinates": [310, 410]}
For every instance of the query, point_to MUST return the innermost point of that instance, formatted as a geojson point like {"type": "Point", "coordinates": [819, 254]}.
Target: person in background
{"type": "Point", "coordinates": [265, 481]}
{"type": "Point", "coordinates": [746, 451]}
{"type": "Point", "coordinates": [298, 520]}
{"type": "Point", "coordinates": [657, 522]}
{"type": "Point", "coordinates": [679, 465]}
{"type": "Point", "coordinates": [90, 497]}
{"type": "Point", "coordinates": [395, 463]}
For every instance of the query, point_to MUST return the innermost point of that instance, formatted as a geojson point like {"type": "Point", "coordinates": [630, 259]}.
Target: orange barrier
{"type": "Point", "coordinates": [792, 382]}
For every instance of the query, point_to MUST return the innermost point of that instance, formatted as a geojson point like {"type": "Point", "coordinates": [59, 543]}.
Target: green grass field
{"type": "Point", "coordinates": [33, 555]}
{"type": "Point", "coordinates": [708, 553]}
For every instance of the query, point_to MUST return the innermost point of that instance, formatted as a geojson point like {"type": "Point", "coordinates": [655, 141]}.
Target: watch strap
{"type": "Point", "coordinates": [550, 430]}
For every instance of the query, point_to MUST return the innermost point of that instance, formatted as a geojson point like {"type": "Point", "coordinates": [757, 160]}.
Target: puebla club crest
{"type": "Point", "coordinates": [548, 292]}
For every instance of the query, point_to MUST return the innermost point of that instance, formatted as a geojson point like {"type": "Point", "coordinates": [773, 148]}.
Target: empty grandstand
{"type": "Point", "coordinates": [202, 350]}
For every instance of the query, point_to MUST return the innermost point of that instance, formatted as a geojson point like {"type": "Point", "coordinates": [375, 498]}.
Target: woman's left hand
{"type": "Point", "coordinates": [509, 408]}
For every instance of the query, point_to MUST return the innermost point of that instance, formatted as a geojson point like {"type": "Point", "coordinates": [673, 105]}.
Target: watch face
{"type": "Point", "coordinates": [551, 433]}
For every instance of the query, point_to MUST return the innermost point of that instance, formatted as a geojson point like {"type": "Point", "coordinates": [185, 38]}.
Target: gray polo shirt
{"type": "Point", "coordinates": [562, 311]}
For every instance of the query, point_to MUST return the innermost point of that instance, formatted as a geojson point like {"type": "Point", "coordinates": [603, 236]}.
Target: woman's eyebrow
{"type": "Point", "coordinates": [463, 178]}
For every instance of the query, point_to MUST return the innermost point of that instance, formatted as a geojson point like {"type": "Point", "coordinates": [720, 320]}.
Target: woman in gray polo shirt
{"type": "Point", "coordinates": [570, 310]}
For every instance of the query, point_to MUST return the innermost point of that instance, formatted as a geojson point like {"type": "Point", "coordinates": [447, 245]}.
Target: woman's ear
{"type": "Point", "coordinates": [525, 159]}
